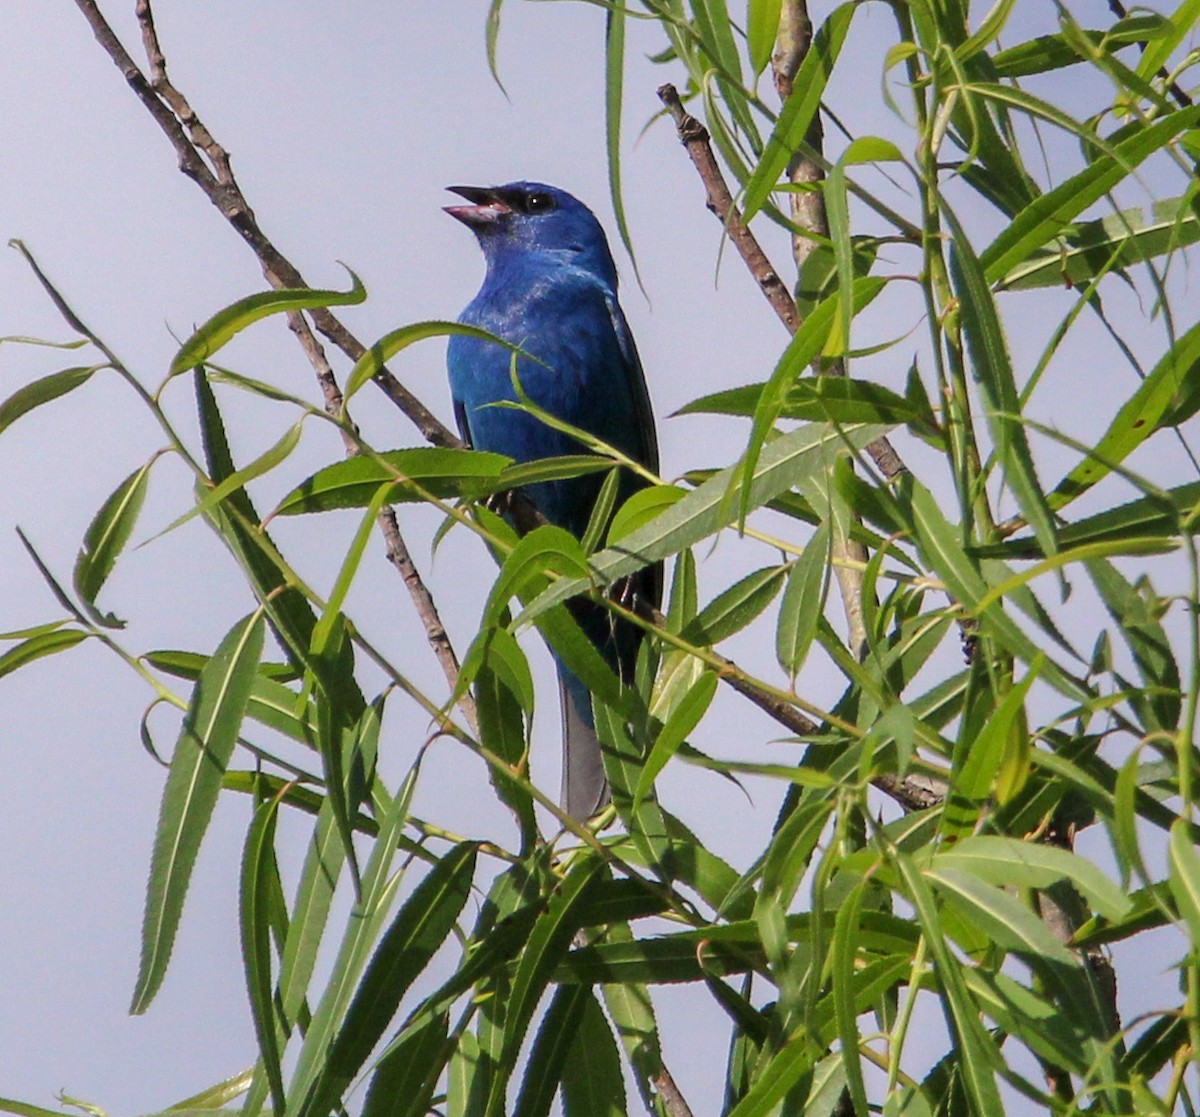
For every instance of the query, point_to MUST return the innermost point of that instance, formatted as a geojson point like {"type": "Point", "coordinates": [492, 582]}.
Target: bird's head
{"type": "Point", "coordinates": [535, 219]}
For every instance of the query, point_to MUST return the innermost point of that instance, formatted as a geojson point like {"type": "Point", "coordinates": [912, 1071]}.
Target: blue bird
{"type": "Point", "coordinates": [551, 288]}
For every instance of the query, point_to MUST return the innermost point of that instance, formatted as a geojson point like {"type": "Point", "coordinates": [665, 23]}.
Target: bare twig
{"type": "Point", "coordinates": [1181, 98]}
{"type": "Point", "coordinates": [694, 137]}
{"type": "Point", "coordinates": [808, 211]}
{"type": "Point", "coordinates": [673, 1100]}
{"type": "Point", "coordinates": [207, 163]}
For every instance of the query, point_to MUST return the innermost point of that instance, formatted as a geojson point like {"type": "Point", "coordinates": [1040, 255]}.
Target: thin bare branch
{"type": "Point", "coordinates": [207, 163]}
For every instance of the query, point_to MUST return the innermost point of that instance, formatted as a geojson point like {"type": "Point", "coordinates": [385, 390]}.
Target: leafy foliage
{"type": "Point", "coordinates": [997, 730]}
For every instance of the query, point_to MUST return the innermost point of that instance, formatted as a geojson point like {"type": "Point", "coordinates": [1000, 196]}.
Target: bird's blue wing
{"type": "Point", "coordinates": [636, 382]}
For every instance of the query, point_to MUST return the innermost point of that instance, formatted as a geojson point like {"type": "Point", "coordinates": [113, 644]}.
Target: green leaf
{"type": "Point", "coordinates": [372, 362]}
{"type": "Point", "coordinates": [420, 928]}
{"type": "Point", "coordinates": [614, 96]}
{"type": "Point", "coordinates": [940, 547]}
{"type": "Point", "coordinates": [1050, 215]}
{"type": "Point", "coordinates": [551, 1050]}
{"type": "Point", "coordinates": [992, 369]}
{"type": "Point", "coordinates": [1173, 384]}
{"type": "Point", "coordinates": [791, 128]}
{"type": "Point", "coordinates": [492, 36]}
{"type": "Point", "coordinates": [641, 508]}
{"type": "Point", "coordinates": [226, 324]}
{"type": "Point", "coordinates": [980, 757]}
{"type": "Point", "coordinates": [704, 511]}
{"type": "Point", "coordinates": [1117, 240]}
{"type": "Point", "coordinates": [1158, 51]}
{"type": "Point", "coordinates": [206, 741]}
{"type": "Point", "coordinates": [1000, 916]}
{"type": "Point", "coordinates": [762, 23]}
{"type": "Point", "coordinates": [48, 388]}
{"type": "Point", "coordinates": [1010, 861]}
{"type": "Point", "coordinates": [547, 943]}
{"type": "Point", "coordinates": [105, 539]}
{"type": "Point", "coordinates": [632, 1013]}
{"type": "Point", "coordinates": [236, 481]}
{"type": "Point", "coordinates": [593, 1085]}
{"type": "Point", "coordinates": [440, 472]}
{"type": "Point", "coordinates": [735, 608]}
{"type": "Point", "coordinates": [977, 1054]}
{"type": "Point", "coordinates": [684, 718]}
{"type": "Point", "coordinates": [43, 644]}
{"type": "Point", "coordinates": [800, 610]}
{"type": "Point", "coordinates": [467, 1076]}
{"type": "Point", "coordinates": [1053, 52]}
{"type": "Point", "coordinates": [834, 399]}
{"type": "Point", "coordinates": [404, 1081]}
{"type": "Point", "coordinates": [809, 340]}
{"type": "Point", "coordinates": [843, 951]}
{"type": "Point", "coordinates": [259, 881]}
{"type": "Point", "coordinates": [1183, 874]}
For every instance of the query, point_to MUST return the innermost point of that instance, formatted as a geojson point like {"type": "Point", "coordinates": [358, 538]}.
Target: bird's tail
{"type": "Point", "coordinates": [584, 785]}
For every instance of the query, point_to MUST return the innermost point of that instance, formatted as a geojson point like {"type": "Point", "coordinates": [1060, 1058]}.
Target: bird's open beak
{"type": "Point", "coordinates": [487, 208]}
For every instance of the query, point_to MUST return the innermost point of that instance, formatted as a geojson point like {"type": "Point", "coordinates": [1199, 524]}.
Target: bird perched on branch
{"type": "Point", "coordinates": [551, 289]}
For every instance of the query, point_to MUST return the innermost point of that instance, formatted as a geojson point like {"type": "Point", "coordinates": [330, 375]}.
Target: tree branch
{"type": "Point", "coordinates": [207, 163]}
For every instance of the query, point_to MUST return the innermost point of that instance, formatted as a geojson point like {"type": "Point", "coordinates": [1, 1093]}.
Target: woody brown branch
{"type": "Point", "coordinates": [207, 163]}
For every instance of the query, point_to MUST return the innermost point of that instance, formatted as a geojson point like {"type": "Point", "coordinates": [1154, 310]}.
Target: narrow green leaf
{"type": "Point", "coordinates": [1183, 874]}
{"type": "Point", "coordinates": [546, 945]}
{"type": "Point", "coordinates": [492, 37]}
{"type": "Point", "coordinates": [1174, 379]}
{"type": "Point", "coordinates": [809, 340]}
{"type": "Point", "coordinates": [1179, 24]}
{"type": "Point", "coordinates": [978, 761]}
{"type": "Point", "coordinates": [43, 644]}
{"type": "Point", "coordinates": [704, 511]}
{"type": "Point", "coordinates": [1117, 240]}
{"type": "Point", "coordinates": [941, 549]}
{"type": "Point", "coordinates": [421, 926]}
{"type": "Point", "coordinates": [209, 733]}
{"type": "Point", "coordinates": [992, 368]}
{"type": "Point", "coordinates": [1052, 52]}
{"type": "Point", "coordinates": [614, 97]}
{"type": "Point", "coordinates": [1000, 916]}
{"type": "Point", "coordinates": [593, 1085]}
{"type": "Point", "coordinates": [404, 1081]}
{"type": "Point", "coordinates": [371, 363]}
{"type": "Point", "coordinates": [105, 539]}
{"type": "Point", "coordinates": [843, 950]}
{"type": "Point", "coordinates": [1010, 861]}
{"type": "Point", "coordinates": [467, 1078]}
{"type": "Point", "coordinates": [259, 878]}
{"type": "Point", "coordinates": [791, 128]}
{"type": "Point", "coordinates": [781, 1072]}
{"type": "Point", "coordinates": [48, 388]}
{"type": "Point", "coordinates": [977, 1053]}
{"type": "Point", "coordinates": [226, 324]}
{"type": "Point", "coordinates": [684, 718]}
{"type": "Point", "coordinates": [439, 471]}
{"type": "Point", "coordinates": [762, 23]}
{"type": "Point", "coordinates": [552, 1048]}
{"type": "Point", "coordinates": [632, 1013]}
{"type": "Point", "coordinates": [736, 607]}
{"type": "Point", "coordinates": [236, 481]}
{"type": "Point", "coordinates": [800, 610]}
{"type": "Point", "coordinates": [1051, 214]}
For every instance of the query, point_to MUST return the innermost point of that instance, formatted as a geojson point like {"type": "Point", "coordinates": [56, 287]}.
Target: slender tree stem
{"type": "Point", "coordinates": [208, 164]}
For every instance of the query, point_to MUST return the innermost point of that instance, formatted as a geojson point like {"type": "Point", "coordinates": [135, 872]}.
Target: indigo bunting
{"type": "Point", "coordinates": [551, 289]}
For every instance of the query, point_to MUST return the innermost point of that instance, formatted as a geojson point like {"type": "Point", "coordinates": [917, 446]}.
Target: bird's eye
{"type": "Point", "coordinates": [538, 203]}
